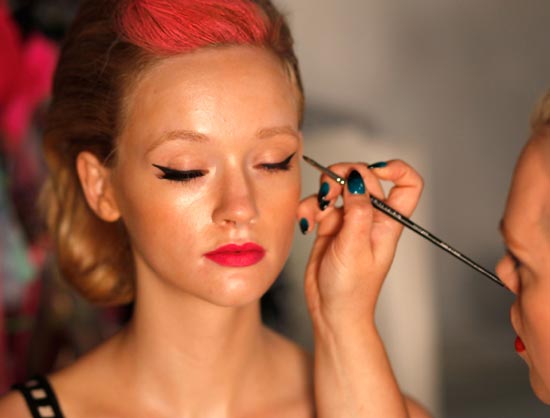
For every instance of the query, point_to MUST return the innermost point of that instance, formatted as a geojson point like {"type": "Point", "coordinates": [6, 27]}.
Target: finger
{"type": "Point", "coordinates": [408, 185]}
{"type": "Point", "coordinates": [309, 215]}
{"type": "Point", "coordinates": [329, 189]}
{"type": "Point", "coordinates": [372, 231]}
{"type": "Point", "coordinates": [358, 213]}
{"type": "Point", "coordinates": [403, 197]}
{"type": "Point", "coordinates": [306, 213]}
{"type": "Point", "coordinates": [372, 182]}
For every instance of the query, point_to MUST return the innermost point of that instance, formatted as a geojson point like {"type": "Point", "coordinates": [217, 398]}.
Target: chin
{"type": "Point", "coordinates": [237, 293]}
{"type": "Point", "coordinates": [540, 387]}
{"type": "Point", "coordinates": [235, 300]}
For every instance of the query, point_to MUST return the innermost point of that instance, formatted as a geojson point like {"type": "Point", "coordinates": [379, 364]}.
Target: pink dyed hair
{"type": "Point", "coordinates": [109, 44]}
{"type": "Point", "coordinates": [174, 27]}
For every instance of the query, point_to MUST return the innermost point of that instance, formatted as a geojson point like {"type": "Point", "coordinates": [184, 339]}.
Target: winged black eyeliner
{"type": "Point", "coordinates": [282, 165]}
{"type": "Point", "coordinates": [179, 175]}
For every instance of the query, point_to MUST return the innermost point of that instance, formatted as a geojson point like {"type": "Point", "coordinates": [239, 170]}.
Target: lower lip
{"type": "Point", "coordinates": [237, 258]}
{"type": "Point", "coordinates": [519, 346]}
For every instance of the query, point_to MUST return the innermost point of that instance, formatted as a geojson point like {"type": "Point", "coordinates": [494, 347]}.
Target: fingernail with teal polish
{"type": "Point", "coordinates": [323, 191]}
{"type": "Point", "coordinates": [304, 225]}
{"type": "Point", "coordinates": [380, 164]}
{"type": "Point", "coordinates": [355, 183]}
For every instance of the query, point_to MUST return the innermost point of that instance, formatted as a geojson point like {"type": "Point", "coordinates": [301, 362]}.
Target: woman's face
{"type": "Point", "coordinates": [207, 178]}
{"type": "Point", "coordinates": [526, 267]}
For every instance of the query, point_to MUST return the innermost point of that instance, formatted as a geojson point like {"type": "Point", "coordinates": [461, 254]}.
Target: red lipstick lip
{"type": "Point", "coordinates": [237, 255]}
{"type": "Point", "coordinates": [231, 248]}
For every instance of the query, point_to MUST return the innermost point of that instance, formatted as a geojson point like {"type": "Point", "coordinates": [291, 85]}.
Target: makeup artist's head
{"type": "Point", "coordinates": [526, 266]}
{"type": "Point", "coordinates": [174, 130]}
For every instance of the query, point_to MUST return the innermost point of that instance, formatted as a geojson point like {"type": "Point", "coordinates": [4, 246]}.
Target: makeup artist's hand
{"type": "Point", "coordinates": [356, 243]}
{"type": "Point", "coordinates": [352, 253]}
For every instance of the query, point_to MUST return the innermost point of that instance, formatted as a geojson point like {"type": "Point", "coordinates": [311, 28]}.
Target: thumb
{"type": "Point", "coordinates": [356, 229]}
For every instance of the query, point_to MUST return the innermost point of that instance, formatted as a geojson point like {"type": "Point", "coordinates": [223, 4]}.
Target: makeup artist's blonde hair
{"type": "Point", "coordinates": [540, 118]}
{"type": "Point", "coordinates": [109, 44]}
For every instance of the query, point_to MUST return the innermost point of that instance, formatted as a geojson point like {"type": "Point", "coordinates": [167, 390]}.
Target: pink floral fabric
{"type": "Point", "coordinates": [26, 70]}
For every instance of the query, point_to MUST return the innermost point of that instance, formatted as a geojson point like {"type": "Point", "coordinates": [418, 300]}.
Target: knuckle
{"type": "Point", "coordinates": [408, 171]}
{"type": "Point", "coordinates": [360, 210]}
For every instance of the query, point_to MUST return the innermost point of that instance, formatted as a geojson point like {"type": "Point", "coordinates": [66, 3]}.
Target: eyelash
{"type": "Point", "coordinates": [515, 260]}
{"type": "Point", "coordinates": [190, 175]}
{"type": "Point", "coordinates": [282, 166]}
{"type": "Point", "coordinates": [179, 175]}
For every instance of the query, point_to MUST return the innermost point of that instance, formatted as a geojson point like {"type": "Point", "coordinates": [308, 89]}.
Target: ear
{"type": "Point", "coordinates": [96, 183]}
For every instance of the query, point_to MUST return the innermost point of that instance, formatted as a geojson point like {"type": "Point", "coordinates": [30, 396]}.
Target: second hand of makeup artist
{"type": "Point", "coordinates": [381, 206]}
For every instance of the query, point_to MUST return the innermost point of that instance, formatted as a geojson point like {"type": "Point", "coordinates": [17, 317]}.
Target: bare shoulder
{"type": "Point", "coordinates": [72, 384]}
{"type": "Point", "coordinates": [416, 410]}
{"type": "Point", "coordinates": [13, 405]}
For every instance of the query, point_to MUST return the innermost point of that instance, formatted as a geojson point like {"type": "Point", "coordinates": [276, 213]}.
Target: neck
{"type": "Point", "coordinates": [193, 355]}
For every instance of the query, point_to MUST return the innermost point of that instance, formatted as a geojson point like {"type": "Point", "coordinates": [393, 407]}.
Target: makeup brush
{"type": "Point", "coordinates": [392, 213]}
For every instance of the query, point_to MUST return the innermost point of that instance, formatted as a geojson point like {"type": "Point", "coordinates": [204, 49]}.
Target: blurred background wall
{"type": "Point", "coordinates": [455, 81]}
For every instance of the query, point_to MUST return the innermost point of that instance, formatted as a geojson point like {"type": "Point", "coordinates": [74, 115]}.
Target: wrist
{"type": "Point", "coordinates": [350, 362]}
{"type": "Point", "coordinates": [335, 338]}
{"type": "Point", "coordinates": [344, 323]}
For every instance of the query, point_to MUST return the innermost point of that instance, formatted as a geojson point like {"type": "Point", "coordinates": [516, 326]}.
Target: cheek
{"type": "Point", "coordinates": [281, 202]}
{"type": "Point", "coordinates": [535, 316]}
{"type": "Point", "coordinates": [278, 210]}
{"type": "Point", "coordinates": [158, 214]}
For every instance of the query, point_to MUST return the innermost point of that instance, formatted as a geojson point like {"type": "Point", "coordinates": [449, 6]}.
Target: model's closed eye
{"type": "Point", "coordinates": [281, 166]}
{"type": "Point", "coordinates": [515, 260]}
{"type": "Point", "coordinates": [188, 175]}
{"type": "Point", "coordinates": [179, 175]}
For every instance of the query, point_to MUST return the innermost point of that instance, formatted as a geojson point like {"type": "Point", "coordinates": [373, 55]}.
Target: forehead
{"type": "Point", "coordinates": [528, 205]}
{"type": "Point", "coordinates": [227, 88]}
{"type": "Point", "coordinates": [231, 72]}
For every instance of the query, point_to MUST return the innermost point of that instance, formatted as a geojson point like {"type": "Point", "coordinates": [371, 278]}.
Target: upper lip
{"type": "Point", "coordinates": [237, 248]}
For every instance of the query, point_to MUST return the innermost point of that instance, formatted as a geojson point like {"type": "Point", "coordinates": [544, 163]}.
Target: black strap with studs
{"type": "Point", "coordinates": [40, 398]}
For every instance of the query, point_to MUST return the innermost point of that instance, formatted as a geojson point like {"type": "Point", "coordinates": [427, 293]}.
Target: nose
{"type": "Point", "coordinates": [236, 203]}
{"type": "Point", "coordinates": [506, 270]}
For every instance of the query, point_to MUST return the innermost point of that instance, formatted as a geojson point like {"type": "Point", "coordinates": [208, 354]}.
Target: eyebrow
{"type": "Point", "coordinates": [278, 130]}
{"type": "Point", "coordinates": [178, 135]}
{"type": "Point", "coordinates": [193, 136]}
